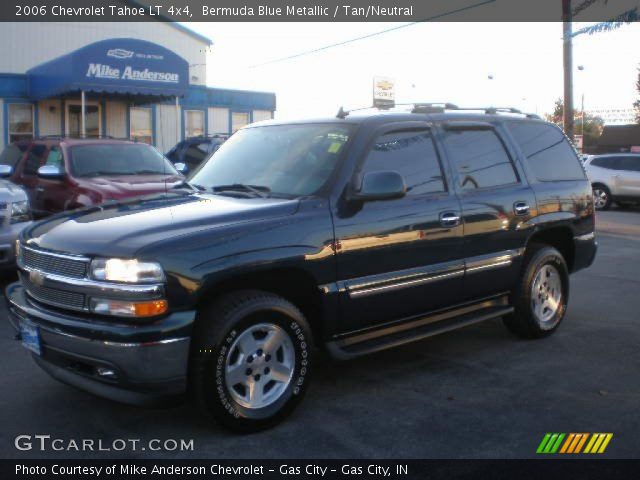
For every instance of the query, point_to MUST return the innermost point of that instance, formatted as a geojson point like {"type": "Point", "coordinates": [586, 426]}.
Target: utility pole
{"type": "Point", "coordinates": [568, 68]}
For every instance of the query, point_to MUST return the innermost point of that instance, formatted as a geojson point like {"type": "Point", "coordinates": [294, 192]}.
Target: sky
{"type": "Point", "coordinates": [430, 62]}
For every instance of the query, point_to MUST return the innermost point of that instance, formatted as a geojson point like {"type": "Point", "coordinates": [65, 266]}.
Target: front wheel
{"type": "Point", "coordinates": [601, 197]}
{"type": "Point", "coordinates": [540, 300]}
{"type": "Point", "coordinates": [251, 360]}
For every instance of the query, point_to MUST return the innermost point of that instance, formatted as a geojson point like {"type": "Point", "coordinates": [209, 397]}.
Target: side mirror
{"type": "Point", "coordinates": [50, 172]}
{"type": "Point", "coordinates": [5, 171]}
{"type": "Point", "coordinates": [181, 168]}
{"type": "Point", "coordinates": [385, 185]}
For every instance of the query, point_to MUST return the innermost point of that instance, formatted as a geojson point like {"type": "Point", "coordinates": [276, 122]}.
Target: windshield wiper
{"type": "Point", "coordinates": [192, 186]}
{"type": "Point", "coordinates": [258, 190]}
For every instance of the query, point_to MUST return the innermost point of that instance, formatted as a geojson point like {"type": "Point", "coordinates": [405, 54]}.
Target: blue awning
{"type": "Point", "coordinates": [120, 65]}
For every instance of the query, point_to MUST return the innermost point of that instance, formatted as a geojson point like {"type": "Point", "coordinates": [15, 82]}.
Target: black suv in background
{"type": "Point", "coordinates": [194, 150]}
{"type": "Point", "coordinates": [354, 233]}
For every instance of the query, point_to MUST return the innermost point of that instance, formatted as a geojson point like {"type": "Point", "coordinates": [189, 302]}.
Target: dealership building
{"type": "Point", "coordinates": [145, 81]}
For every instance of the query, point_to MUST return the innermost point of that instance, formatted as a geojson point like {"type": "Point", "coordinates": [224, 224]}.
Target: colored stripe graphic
{"type": "Point", "coordinates": [553, 443]}
{"type": "Point", "coordinates": [550, 443]}
{"type": "Point", "coordinates": [598, 443]}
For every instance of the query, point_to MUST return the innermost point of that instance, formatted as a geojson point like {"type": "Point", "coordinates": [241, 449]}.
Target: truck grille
{"type": "Point", "coordinates": [53, 296]}
{"type": "Point", "coordinates": [56, 264]}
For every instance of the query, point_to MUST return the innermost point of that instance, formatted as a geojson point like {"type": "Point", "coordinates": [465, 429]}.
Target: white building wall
{"type": "Point", "coordinates": [41, 42]}
{"type": "Point", "coordinates": [49, 117]}
{"type": "Point", "coordinates": [116, 116]}
{"type": "Point", "coordinates": [218, 121]}
{"type": "Point", "coordinates": [167, 127]}
{"type": "Point", "coordinates": [260, 115]}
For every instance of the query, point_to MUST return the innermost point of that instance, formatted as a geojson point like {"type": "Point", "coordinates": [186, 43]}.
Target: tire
{"type": "Point", "coordinates": [601, 197]}
{"type": "Point", "coordinates": [230, 343]}
{"type": "Point", "coordinates": [540, 299]}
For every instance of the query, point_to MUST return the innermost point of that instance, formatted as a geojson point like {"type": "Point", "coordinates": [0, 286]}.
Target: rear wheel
{"type": "Point", "coordinates": [601, 197]}
{"type": "Point", "coordinates": [251, 360]}
{"type": "Point", "coordinates": [540, 300]}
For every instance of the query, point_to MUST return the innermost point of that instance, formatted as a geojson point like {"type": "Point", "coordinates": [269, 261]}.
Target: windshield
{"type": "Point", "coordinates": [118, 159]}
{"type": "Point", "coordinates": [292, 160]}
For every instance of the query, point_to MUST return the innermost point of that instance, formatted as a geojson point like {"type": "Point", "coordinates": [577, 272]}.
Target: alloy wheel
{"type": "Point", "coordinates": [260, 365]}
{"type": "Point", "coordinates": [546, 296]}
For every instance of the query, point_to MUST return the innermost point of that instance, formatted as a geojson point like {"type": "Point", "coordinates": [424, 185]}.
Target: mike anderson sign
{"type": "Point", "coordinates": [99, 70]}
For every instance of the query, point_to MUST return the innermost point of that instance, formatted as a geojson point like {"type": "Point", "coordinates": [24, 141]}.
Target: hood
{"type": "Point", "coordinates": [122, 228]}
{"type": "Point", "coordinates": [116, 187]}
{"type": "Point", "coordinates": [10, 192]}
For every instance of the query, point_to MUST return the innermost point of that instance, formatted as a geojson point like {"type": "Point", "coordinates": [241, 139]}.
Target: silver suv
{"type": "Point", "coordinates": [14, 216]}
{"type": "Point", "coordinates": [615, 178]}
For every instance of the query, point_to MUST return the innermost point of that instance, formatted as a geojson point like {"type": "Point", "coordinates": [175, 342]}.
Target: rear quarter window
{"type": "Point", "coordinates": [547, 152]}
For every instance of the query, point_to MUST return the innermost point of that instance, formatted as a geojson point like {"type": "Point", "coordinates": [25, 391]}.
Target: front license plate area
{"type": "Point", "coordinates": [30, 334]}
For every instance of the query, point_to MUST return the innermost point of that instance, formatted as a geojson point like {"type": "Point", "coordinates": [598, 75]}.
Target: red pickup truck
{"type": "Point", "coordinates": [63, 173]}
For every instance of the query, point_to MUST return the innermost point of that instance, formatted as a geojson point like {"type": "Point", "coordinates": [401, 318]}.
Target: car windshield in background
{"type": "Point", "coordinates": [11, 155]}
{"type": "Point", "coordinates": [291, 160]}
{"type": "Point", "coordinates": [118, 159]}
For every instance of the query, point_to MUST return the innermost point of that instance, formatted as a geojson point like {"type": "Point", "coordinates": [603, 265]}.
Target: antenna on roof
{"type": "Point", "coordinates": [342, 114]}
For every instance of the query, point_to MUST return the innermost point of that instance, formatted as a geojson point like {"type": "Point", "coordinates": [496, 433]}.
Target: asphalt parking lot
{"type": "Point", "coordinates": [474, 393]}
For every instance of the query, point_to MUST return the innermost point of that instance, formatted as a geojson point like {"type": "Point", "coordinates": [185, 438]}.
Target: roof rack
{"type": "Point", "coordinates": [442, 107]}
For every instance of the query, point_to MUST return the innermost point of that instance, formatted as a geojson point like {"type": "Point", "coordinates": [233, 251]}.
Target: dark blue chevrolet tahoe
{"type": "Point", "coordinates": [354, 233]}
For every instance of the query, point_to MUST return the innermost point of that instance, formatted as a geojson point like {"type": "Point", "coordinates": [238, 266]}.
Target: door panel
{"type": "Point", "coordinates": [398, 258]}
{"type": "Point", "coordinates": [627, 178]}
{"type": "Point", "coordinates": [496, 204]}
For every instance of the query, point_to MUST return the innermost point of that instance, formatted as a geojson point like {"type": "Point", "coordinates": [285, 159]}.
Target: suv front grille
{"type": "Point", "coordinates": [53, 296]}
{"type": "Point", "coordinates": [56, 264]}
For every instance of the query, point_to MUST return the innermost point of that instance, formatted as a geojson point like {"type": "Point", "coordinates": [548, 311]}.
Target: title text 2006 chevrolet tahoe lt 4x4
{"type": "Point", "coordinates": [356, 233]}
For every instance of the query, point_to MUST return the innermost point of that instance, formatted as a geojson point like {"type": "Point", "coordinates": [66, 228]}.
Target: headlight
{"type": "Point", "coordinates": [128, 271]}
{"type": "Point", "coordinates": [20, 212]}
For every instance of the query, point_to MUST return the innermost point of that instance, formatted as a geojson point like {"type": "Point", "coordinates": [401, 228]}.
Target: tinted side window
{"type": "Point", "coordinates": [55, 158]}
{"type": "Point", "coordinates": [631, 164]}
{"type": "Point", "coordinates": [34, 159]}
{"type": "Point", "coordinates": [412, 154]}
{"type": "Point", "coordinates": [547, 151]}
{"type": "Point", "coordinates": [479, 158]}
{"type": "Point", "coordinates": [603, 162]}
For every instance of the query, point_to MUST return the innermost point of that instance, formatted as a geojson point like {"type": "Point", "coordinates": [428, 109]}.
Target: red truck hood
{"type": "Point", "coordinates": [123, 186]}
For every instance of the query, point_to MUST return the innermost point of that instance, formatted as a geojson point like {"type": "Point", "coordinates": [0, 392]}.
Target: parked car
{"type": "Point", "coordinates": [15, 215]}
{"type": "Point", "coordinates": [354, 233]}
{"type": "Point", "coordinates": [63, 173]}
{"type": "Point", "coordinates": [615, 178]}
{"type": "Point", "coordinates": [188, 154]}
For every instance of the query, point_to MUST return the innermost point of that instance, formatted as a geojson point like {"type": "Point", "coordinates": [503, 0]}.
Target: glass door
{"type": "Point", "coordinates": [74, 119]}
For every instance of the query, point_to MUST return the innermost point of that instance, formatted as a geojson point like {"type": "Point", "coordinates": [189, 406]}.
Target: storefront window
{"type": "Point", "coordinates": [238, 120]}
{"type": "Point", "coordinates": [20, 121]}
{"type": "Point", "coordinates": [193, 123]}
{"type": "Point", "coordinates": [141, 125]}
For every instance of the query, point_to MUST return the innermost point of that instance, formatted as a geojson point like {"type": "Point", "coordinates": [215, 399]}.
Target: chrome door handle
{"type": "Point", "coordinates": [521, 208]}
{"type": "Point", "coordinates": [449, 219]}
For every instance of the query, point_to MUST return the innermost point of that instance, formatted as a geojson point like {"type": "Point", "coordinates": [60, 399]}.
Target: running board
{"type": "Point", "coordinates": [416, 329]}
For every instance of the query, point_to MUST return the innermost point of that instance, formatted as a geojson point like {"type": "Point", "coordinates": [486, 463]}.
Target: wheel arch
{"type": "Point", "coordinates": [296, 285]}
{"type": "Point", "coordinates": [559, 237]}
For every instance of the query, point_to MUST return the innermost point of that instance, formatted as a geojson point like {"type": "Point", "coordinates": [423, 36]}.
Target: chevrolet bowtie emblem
{"type": "Point", "coordinates": [36, 277]}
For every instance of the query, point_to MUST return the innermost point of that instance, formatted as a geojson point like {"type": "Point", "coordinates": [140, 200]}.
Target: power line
{"type": "Point", "coordinates": [374, 34]}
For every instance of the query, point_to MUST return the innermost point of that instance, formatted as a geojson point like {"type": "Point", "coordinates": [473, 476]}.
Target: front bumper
{"type": "Point", "coordinates": [142, 364]}
{"type": "Point", "coordinates": [8, 236]}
